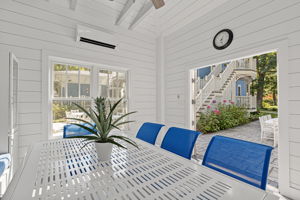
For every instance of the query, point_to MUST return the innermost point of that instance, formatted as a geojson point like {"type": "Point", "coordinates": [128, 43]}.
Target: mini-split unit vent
{"type": "Point", "coordinates": [95, 37]}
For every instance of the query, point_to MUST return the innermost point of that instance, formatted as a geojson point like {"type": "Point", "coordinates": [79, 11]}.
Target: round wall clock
{"type": "Point", "coordinates": [223, 39]}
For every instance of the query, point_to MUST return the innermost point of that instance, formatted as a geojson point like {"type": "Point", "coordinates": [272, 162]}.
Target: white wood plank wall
{"type": "Point", "coordinates": [253, 22]}
{"type": "Point", "coordinates": [26, 28]}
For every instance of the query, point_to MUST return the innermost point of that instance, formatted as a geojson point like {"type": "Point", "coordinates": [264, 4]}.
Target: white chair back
{"type": "Point", "coordinates": [268, 117]}
{"type": "Point", "coordinates": [262, 121]}
{"type": "Point", "coordinates": [74, 111]}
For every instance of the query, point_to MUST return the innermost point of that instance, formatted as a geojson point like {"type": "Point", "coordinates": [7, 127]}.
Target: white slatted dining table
{"type": "Point", "coordinates": [58, 169]}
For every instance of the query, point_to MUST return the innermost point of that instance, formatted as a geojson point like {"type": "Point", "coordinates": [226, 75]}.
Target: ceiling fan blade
{"type": "Point", "coordinates": [158, 3]}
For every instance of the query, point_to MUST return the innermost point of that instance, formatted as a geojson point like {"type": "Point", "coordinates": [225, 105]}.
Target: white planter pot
{"type": "Point", "coordinates": [104, 150]}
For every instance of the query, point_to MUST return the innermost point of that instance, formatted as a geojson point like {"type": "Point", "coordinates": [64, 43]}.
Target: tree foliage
{"type": "Point", "coordinates": [266, 82]}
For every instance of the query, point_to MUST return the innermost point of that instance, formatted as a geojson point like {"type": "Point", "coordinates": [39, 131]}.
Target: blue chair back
{"type": "Point", "coordinates": [148, 132]}
{"type": "Point", "coordinates": [243, 160]}
{"type": "Point", "coordinates": [180, 141]}
{"type": "Point", "coordinates": [71, 130]}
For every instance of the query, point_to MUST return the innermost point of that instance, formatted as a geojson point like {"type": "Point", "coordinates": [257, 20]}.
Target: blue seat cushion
{"type": "Point", "coordinates": [74, 130]}
{"type": "Point", "coordinates": [2, 167]}
{"type": "Point", "coordinates": [4, 162]}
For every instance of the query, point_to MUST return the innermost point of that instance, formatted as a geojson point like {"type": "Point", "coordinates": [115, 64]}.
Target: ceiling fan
{"type": "Point", "coordinates": [158, 3]}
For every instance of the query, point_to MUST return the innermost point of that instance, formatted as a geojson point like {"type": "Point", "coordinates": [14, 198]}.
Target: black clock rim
{"type": "Point", "coordinates": [229, 40]}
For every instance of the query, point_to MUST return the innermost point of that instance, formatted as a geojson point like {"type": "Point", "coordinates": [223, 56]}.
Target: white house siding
{"type": "Point", "coordinates": [28, 27]}
{"type": "Point", "coordinates": [253, 22]}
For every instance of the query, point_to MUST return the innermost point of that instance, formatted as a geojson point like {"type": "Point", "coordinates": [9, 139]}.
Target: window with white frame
{"type": "Point", "coordinates": [79, 84]}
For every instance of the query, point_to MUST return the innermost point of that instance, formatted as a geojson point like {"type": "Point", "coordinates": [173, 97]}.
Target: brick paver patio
{"type": "Point", "coordinates": [249, 132]}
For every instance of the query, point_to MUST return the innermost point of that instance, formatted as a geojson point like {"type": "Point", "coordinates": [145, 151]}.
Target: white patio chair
{"type": "Point", "coordinates": [70, 115]}
{"type": "Point", "coordinates": [74, 111]}
{"type": "Point", "coordinates": [267, 130]}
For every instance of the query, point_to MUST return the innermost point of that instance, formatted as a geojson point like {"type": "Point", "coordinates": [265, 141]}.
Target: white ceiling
{"type": "Point", "coordinates": [174, 15]}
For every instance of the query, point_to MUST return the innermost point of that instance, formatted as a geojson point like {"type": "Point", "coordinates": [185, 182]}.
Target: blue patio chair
{"type": "Point", "coordinates": [180, 141]}
{"type": "Point", "coordinates": [74, 130]}
{"type": "Point", "coordinates": [243, 160]}
{"type": "Point", "coordinates": [149, 132]}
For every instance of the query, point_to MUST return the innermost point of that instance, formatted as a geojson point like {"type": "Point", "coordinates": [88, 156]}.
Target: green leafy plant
{"type": "Point", "coordinates": [101, 115]}
{"type": "Point", "coordinates": [224, 116]}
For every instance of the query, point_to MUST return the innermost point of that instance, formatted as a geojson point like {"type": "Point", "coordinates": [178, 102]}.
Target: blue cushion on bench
{"type": "Point", "coordinates": [74, 130]}
{"type": "Point", "coordinates": [2, 167]}
{"type": "Point", "coordinates": [4, 162]}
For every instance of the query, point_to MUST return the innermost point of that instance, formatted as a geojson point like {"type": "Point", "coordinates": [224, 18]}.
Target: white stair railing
{"type": "Point", "coordinates": [214, 84]}
{"type": "Point", "coordinates": [224, 75]}
{"type": "Point", "coordinates": [200, 83]}
{"type": "Point", "coordinates": [204, 93]}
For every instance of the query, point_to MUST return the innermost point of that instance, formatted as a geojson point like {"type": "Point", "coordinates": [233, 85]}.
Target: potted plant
{"type": "Point", "coordinates": [100, 125]}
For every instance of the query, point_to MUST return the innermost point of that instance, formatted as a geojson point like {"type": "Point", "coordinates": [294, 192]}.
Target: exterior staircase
{"type": "Point", "coordinates": [220, 85]}
{"type": "Point", "coordinates": [215, 95]}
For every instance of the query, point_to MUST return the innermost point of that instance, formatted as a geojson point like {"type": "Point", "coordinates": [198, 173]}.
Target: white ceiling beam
{"type": "Point", "coordinates": [141, 14]}
{"type": "Point", "coordinates": [125, 11]}
{"type": "Point", "coordinates": [73, 4]}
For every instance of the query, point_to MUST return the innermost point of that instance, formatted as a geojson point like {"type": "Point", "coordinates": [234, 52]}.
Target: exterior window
{"type": "Point", "coordinates": [112, 84]}
{"type": "Point", "coordinates": [239, 91]}
{"type": "Point", "coordinates": [75, 84]}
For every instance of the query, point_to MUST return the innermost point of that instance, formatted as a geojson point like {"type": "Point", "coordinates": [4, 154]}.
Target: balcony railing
{"type": "Point", "coordinates": [248, 63]}
{"type": "Point", "coordinates": [248, 102]}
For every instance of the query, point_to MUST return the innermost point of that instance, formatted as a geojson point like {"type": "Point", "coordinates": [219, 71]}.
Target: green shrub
{"type": "Point", "coordinates": [267, 106]}
{"type": "Point", "coordinates": [59, 111]}
{"type": "Point", "coordinates": [221, 118]}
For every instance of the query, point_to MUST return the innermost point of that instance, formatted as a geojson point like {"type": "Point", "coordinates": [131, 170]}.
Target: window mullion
{"type": "Point", "coordinates": [66, 83]}
{"type": "Point", "coordinates": [94, 82]}
{"type": "Point", "coordinates": [78, 78]}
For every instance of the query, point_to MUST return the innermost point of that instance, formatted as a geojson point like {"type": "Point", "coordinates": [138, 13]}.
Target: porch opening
{"type": "Point", "coordinates": [237, 99]}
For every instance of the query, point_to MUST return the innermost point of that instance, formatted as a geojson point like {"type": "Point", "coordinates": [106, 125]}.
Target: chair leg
{"type": "Point", "coordinates": [261, 135]}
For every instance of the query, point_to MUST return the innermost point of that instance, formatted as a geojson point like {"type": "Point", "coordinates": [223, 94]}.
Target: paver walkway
{"type": "Point", "coordinates": [249, 132]}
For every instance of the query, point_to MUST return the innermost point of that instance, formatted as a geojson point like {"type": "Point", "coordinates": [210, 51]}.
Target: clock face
{"type": "Point", "coordinates": [223, 39]}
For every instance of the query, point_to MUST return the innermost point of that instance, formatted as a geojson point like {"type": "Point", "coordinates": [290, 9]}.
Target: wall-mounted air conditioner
{"type": "Point", "coordinates": [95, 37]}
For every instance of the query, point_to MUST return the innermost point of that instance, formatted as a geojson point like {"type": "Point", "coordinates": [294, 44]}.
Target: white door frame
{"type": "Point", "coordinates": [281, 46]}
{"type": "Point", "coordinates": [4, 100]}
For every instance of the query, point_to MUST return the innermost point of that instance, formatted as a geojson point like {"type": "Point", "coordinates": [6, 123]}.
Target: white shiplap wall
{"type": "Point", "coordinates": [254, 23]}
{"type": "Point", "coordinates": [28, 27]}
